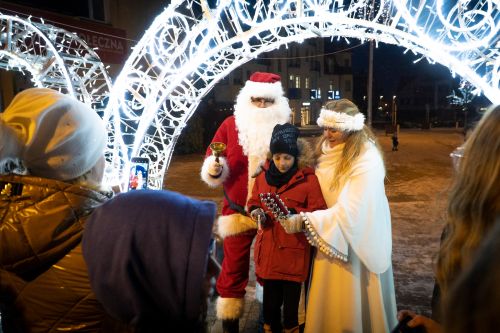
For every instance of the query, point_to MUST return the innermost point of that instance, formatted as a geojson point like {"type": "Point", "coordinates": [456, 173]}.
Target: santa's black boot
{"type": "Point", "coordinates": [230, 326]}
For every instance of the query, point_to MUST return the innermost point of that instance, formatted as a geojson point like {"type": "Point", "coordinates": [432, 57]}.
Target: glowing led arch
{"type": "Point", "coordinates": [54, 57]}
{"type": "Point", "coordinates": [191, 46]}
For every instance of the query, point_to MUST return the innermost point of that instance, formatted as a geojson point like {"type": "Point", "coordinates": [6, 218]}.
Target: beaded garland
{"type": "Point", "coordinates": [315, 240]}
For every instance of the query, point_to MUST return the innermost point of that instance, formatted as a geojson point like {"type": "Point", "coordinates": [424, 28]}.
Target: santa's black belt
{"type": "Point", "coordinates": [234, 206]}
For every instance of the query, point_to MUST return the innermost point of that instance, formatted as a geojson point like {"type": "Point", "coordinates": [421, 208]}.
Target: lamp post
{"type": "Point", "coordinates": [394, 114]}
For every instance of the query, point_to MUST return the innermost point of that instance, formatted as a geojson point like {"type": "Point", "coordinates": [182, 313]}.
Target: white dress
{"type": "Point", "coordinates": [352, 287]}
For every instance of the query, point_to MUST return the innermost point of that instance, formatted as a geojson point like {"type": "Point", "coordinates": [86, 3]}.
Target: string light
{"type": "Point", "coordinates": [185, 53]}
{"type": "Point", "coordinates": [56, 59]}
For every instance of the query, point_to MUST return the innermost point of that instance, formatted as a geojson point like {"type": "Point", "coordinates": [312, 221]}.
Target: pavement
{"type": "Point", "coordinates": [418, 176]}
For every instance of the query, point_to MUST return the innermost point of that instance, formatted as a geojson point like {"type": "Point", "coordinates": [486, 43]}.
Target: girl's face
{"type": "Point", "coordinates": [283, 161]}
{"type": "Point", "coordinates": [333, 136]}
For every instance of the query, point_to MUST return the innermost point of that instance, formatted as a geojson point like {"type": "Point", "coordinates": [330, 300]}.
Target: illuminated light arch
{"type": "Point", "coordinates": [191, 46]}
{"type": "Point", "coordinates": [56, 59]}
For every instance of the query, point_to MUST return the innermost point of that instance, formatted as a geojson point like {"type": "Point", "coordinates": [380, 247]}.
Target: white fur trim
{"type": "Point", "coordinates": [229, 225]}
{"type": "Point", "coordinates": [230, 308]}
{"type": "Point", "coordinates": [341, 121]}
{"type": "Point", "coordinates": [263, 89]}
{"type": "Point", "coordinates": [255, 125]}
{"type": "Point", "coordinates": [210, 180]}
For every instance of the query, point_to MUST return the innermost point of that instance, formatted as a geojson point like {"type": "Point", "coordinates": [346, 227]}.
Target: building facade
{"type": "Point", "coordinates": [313, 71]}
{"type": "Point", "coordinates": [311, 75]}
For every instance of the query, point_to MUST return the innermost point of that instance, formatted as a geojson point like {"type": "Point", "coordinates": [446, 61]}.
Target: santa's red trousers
{"type": "Point", "coordinates": [236, 265]}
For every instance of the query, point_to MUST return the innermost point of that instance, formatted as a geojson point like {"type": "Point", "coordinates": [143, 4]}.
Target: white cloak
{"type": "Point", "coordinates": [356, 295]}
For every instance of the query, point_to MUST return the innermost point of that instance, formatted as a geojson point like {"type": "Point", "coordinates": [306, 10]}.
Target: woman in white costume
{"type": "Point", "coordinates": [352, 287]}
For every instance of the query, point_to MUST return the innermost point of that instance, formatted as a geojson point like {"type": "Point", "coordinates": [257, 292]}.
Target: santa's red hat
{"type": "Point", "coordinates": [262, 84]}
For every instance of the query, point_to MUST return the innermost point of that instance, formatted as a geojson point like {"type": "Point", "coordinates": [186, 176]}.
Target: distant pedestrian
{"type": "Point", "coordinates": [395, 142]}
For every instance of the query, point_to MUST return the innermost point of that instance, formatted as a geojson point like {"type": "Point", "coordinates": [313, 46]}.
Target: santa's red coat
{"type": "Point", "coordinates": [238, 230]}
{"type": "Point", "coordinates": [236, 183]}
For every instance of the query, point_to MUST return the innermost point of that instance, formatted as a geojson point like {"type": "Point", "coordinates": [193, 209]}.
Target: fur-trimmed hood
{"type": "Point", "coordinates": [304, 159]}
{"type": "Point", "coordinates": [306, 154]}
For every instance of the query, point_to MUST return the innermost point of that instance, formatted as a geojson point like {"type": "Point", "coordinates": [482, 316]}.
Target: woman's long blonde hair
{"type": "Point", "coordinates": [474, 200]}
{"type": "Point", "coordinates": [354, 142]}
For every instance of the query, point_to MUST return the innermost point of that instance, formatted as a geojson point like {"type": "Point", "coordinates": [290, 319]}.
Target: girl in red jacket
{"type": "Point", "coordinates": [281, 259]}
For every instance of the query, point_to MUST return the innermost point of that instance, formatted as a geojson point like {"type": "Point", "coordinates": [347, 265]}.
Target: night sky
{"type": "Point", "coordinates": [390, 64]}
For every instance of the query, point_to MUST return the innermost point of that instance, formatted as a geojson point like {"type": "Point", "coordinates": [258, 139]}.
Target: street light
{"type": "Point", "coordinates": [394, 112]}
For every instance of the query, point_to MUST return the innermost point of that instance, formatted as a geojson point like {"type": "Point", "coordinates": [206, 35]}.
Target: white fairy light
{"type": "Point", "coordinates": [199, 50]}
{"type": "Point", "coordinates": [39, 48]}
{"type": "Point", "coordinates": [184, 54]}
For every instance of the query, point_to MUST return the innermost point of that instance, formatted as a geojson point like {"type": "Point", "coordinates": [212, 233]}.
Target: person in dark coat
{"type": "Point", "coordinates": [281, 259]}
{"type": "Point", "coordinates": [147, 254]}
{"type": "Point", "coordinates": [395, 142]}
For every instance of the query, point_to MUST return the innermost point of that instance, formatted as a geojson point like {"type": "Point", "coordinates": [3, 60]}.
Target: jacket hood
{"type": "Point", "coordinates": [147, 254]}
{"type": "Point", "coordinates": [306, 154]}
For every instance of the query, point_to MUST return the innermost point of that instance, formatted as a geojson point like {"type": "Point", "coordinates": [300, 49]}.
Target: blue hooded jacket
{"type": "Point", "coordinates": [147, 255]}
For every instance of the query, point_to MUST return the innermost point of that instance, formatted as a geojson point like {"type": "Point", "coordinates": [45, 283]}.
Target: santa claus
{"type": "Point", "coordinates": [260, 106]}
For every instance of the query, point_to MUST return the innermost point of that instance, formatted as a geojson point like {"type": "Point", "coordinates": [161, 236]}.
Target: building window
{"type": "Point", "coordinates": [331, 85]}
{"type": "Point", "coordinates": [333, 94]}
{"type": "Point", "coordinates": [292, 78]}
{"type": "Point", "coordinates": [297, 81]}
{"type": "Point", "coordinates": [306, 82]}
{"type": "Point", "coordinates": [96, 10]}
{"type": "Point", "coordinates": [315, 93]}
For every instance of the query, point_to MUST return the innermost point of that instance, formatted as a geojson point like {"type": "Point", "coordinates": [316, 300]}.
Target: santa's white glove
{"type": "Point", "coordinates": [258, 215]}
{"type": "Point", "coordinates": [292, 224]}
{"type": "Point", "coordinates": [214, 169]}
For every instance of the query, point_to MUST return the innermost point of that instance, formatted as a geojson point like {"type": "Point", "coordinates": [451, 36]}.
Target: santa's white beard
{"type": "Point", "coordinates": [255, 125]}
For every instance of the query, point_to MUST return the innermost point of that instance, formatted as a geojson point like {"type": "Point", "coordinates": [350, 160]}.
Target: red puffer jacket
{"type": "Point", "coordinates": [278, 255]}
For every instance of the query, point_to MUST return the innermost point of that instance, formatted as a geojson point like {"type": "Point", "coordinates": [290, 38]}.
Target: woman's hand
{"type": "Point", "coordinates": [428, 324]}
{"type": "Point", "coordinates": [292, 224]}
